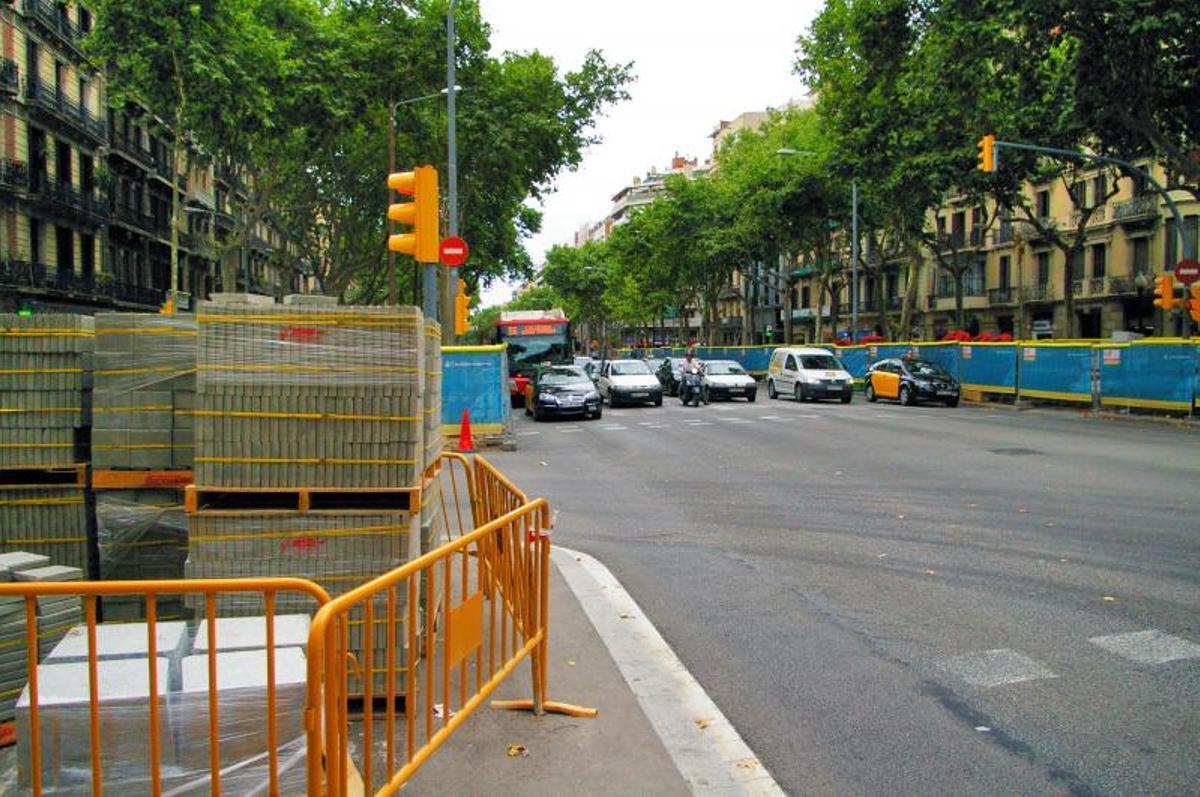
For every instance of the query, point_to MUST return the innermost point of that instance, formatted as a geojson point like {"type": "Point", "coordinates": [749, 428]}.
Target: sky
{"type": "Point", "coordinates": [696, 62]}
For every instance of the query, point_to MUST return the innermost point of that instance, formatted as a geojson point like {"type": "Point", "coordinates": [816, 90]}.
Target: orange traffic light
{"type": "Point", "coordinates": [1193, 303]}
{"type": "Point", "coordinates": [462, 309]}
{"type": "Point", "coordinates": [1164, 292]}
{"type": "Point", "coordinates": [422, 214]}
{"type": "Point", "coordinates": [987, 153]}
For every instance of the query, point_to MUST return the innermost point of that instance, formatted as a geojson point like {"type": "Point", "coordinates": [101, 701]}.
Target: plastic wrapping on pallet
{"type": "Point", "coordinates": [142, 534]}
{"type": "Point", "coordinates": [302, 539]}
{"type": "Point", "coordinates": [434, 441]}
{"type": "Point", "coordinates": [303, 396]}
{"type": "Point", "coordinates": [183, 743]}
{"type": "Point", "coordinates": [144, 391]}
{"type": "Point", "coordinates": [49, 521]}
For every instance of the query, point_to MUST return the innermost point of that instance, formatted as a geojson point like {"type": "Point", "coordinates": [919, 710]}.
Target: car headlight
{"type": "Point", "coordinates": [923, 384]}
{"type": "Point", "coordinates": [549, 398]}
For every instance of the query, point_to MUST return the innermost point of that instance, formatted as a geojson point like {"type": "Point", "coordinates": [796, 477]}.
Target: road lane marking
{"type": "Point", "coordinates": [614, 428]}
{"type": "Point", "coordinates": [566, 429]}
{"type": "Point", "coordinates": [992, 668]}
{"type": "Point", "coordinates": [656, 426]}
{"type": "Point", "coordinates": [698, 423]}
{"type": "Point", "coordinates": [768, 417]}
{"type": "Point", "coordinates": [717, 761]}
{"type": "Point", "coordinates": [645, 423]}
{"type": "Point", "coordinates": [527, 434]}
{"type": "Point", "coordinates": [1148, 647]}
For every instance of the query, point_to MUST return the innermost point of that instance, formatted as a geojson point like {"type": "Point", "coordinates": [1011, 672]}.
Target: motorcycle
{"type": "Point", "coordinates": [691, 387]}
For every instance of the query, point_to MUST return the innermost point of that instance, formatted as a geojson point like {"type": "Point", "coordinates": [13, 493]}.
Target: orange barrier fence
{"type": "Point", "coordinates": [131, 747]}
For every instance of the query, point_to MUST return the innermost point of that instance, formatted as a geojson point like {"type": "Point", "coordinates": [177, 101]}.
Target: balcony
{"type": "Point", "coordinates": [1121, 285]}
{"type": "Point", "coordinates": [14, 174]}
{"type": "Point", "coordinates": [226, 174]}
{"type": "Point", "coordinates": [1002, 296]}
{"type": "Point", "coordinates": [1098, 216]}
{"type": "Point", "coordinates": [260, 244]}
{"type": "Point", "coordinates": [44, 98]}
{"type": "Point", "coordinates": [960, 239]}
{"type": "Point", "coordinates": [129, 145]}
{"type": "Point", "coordinates": [972, 285]}
{"type": "Point", "coordinates": [132, 217]}
{"type": "Point", "coordinates": [9, 80]}
{"type": "Point", "coordinates": [1003, 235]}
{"type": "Point", "coordinates": [68, 201]}
{"type": "Point", "coordinates": [54, 18]}
{"type": "Point", "coordinates": [223, 219]}
{"type": "Point", "coordinates": [1039, 293]}
{"type": "Point", "coordinates": [41, 278]}
{"type": "Point", "coordinates": [1139, 211]}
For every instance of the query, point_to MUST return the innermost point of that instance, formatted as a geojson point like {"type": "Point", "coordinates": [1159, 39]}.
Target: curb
{"type": "Point", "coordinates": [706, 748]}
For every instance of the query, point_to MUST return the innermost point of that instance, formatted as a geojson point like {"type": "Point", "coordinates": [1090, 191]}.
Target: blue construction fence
{"type": "Point", "coordinates": [475, 378]}
{"type": "Point", "coordinates": [1151, 373]}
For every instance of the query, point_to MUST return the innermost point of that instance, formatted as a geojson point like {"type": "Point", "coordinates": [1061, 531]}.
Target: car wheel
{"type": "Point", "coordinates": [869, 391]}
{"type": "Point", "coordinates": [906, 396]}
{"type": "Point", "coordinates": [952, 403]}
{"type": "Point", "coordinates": [598, 413]}
{"type": "Point", "coordinates": [771, 394]}
{"type": "Point", "coordinates": [846, 399]}
{"type": "Point", "coordinates": [798, 394]}
{"type": "Point", "coordinates": [527, 410]}
{"type": "Point", "coordinates": [612, 399]}
{"type": "Point", "coordinates": [537, 416]}
{"type": "Point", "coordinates": [658, 401]}
{"type": "Point", "coordinates": [752, 396]}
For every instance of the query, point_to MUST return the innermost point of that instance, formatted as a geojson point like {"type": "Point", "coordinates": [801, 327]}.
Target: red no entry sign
{"type": "Point", "coordinates": [1187, 271]}
{"type": "Point", "coordinates": [454, 251]}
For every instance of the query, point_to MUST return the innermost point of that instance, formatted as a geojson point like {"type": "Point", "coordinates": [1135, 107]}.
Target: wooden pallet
{"type": "Point", "coordinates": [43, 475]}
{"type": "Point", "coordinates": [230, 501]}
{"type": "Point", "coordinates": [141, 479]}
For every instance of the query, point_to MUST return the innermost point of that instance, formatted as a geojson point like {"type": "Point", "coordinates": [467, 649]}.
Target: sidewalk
{"type": "Point", "coordinates": [618, 752]}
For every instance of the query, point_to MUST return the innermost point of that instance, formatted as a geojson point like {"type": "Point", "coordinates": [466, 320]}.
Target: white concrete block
{"type": "Point", "coordinates": [49, 573]}
{"type": "Point", "coordinates": [248, 633]}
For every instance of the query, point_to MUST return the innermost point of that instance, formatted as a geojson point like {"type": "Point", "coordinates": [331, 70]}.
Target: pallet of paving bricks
{"type": "Point", "coordinates": [140, 535]}
{"type": "Point", "coordinates": [316, 397]}
{"type": "Point", "coordinates": [434, 441]}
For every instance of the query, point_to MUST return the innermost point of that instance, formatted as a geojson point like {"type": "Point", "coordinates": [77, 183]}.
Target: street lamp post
{"type": "Point", "coordinates": [451, 171]}
{"type": "Point", "coordinates": [787, 151]}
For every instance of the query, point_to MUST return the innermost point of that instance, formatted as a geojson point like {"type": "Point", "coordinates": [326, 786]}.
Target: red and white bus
{"type": "Point", "coordinates": [534, 337]}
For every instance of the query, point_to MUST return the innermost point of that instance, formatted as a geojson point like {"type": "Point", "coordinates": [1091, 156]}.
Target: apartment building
{"type": "Point", "coordinates": [1013, 269]}
{"type": "Point", "coordinates": [85, 193]}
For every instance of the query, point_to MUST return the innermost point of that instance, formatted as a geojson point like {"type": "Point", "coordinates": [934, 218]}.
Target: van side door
{"type": "Point", "coordinates": [791, 373]}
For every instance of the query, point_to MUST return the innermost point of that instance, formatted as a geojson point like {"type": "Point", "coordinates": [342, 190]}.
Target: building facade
{"type": "Point", "coordinates": [86, 194]}
{"type": "Point", "coordinates": [1013, 270]}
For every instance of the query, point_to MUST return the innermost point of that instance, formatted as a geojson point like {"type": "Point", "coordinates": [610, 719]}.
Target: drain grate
{"type": "Point", "coordinates": [1013, 452]}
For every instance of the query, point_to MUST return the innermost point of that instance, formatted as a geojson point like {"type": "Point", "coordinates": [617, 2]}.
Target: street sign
{"type": "Point", "coordinates": [454, 251]}
{"type": "Point", "coordinates": [1187, 271]}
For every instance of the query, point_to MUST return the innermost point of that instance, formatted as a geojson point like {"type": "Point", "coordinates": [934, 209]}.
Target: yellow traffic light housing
{"type": "Point", "coordinates": [421, 214]}
{"type": "Point", "coordinates": [1164, 292]}
{"type": "Point", "coordinates": [462, 309]}
{"type": "Point", "coordinates": [987, 153]}
{"type": "Point", "coordinates": [1193, 303]}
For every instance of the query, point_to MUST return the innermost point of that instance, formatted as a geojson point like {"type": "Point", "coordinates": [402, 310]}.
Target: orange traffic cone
{"type": "Point", "coordinates": [465, 444]}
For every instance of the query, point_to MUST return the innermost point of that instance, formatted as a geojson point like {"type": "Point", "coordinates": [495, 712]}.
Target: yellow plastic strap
{"type": "Point", "coordinates": [314, 320]}
{"type": "Point", "coordinates": [43, 541]}
{"type": "Point", "coordinates": [365, 531]}
{"type": "Point", "coordinates": [129, 371]}
{"type": "Point", "coordinates": [19, 410]}
{"type": "Point", "coordinates": [303, 461]}
{"type": "Point", "coordinates": [298, 416]}
{"type": "Point", "coordinates": [46, 333]}
{"type": "Point", "coordinates": [145, 408]}
{"type": "Point", "coordinates": [139, 446]}
{"type": "Point", "coordinates": [7, 371]}
{"type": "Point", "coordinates": [42, 501]}
{"type": "Point", "coordinates": [372, 369]}
{"type": "Point", "coordinates": [149, 331]}
{"type": "Point", "coordinates": [38, 445]}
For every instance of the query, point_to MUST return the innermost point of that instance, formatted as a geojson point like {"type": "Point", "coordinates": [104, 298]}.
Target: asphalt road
{"type": "Point", "coordinates": [889, 600]}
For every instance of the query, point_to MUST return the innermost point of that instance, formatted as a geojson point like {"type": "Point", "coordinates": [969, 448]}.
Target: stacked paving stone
{"type": "Point", "coordinates": [55, 617]}
{"type": "Point", "coordinates": [45, 420]}
{"type": "Point", "coordinates": [433, 393]}
{"type": "Point", "coordinates": [141, 534]}
{"type": "Point", "coordinates": [144, 391]}
{"type": "Point", "coordinates": [182, 687]}
{"type": "Point", "coordinates": [307, 394]}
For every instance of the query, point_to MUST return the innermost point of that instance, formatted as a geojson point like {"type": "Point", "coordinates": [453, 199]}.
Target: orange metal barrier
{"type": "Point", "coordinates": [209, 590]}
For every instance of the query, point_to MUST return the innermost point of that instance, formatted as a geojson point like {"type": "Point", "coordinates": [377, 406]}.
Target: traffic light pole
{"type": "Point", "coordinates": [448, 332]}
{"type": "Point", "coordinates": [1185, 247]}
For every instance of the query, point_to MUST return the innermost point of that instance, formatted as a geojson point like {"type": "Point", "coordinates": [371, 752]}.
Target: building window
{"type": "Point", "coordinates": [1079, 194]}
{"type": "Point", "coordinates": [1099, 266]}
{"type": "Point", "coordinates": [85, 20]}
{"type": "Point", "coordinates": [1075, 261]}
{"type": "Point", "coordinates": [804, 296]}
{"type": "Point", "coordinates": [1043, 268]}
{"type": "Point", "coordinates": [1043, 204]}
{"type": "Point", "coordinates": [35, 241]}
{"type": "Point", "coordinates": [1005, 275]}
{"type": "Point", "coordinates": [1141, 255]}
{"type": "Point", "coordinates": [1099, 188]}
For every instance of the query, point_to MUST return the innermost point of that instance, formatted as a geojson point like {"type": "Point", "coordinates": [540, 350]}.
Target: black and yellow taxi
{"type": "Point", "coordinates": [909, 380]}
{"type": "Point", "coordinates": [561, 391]}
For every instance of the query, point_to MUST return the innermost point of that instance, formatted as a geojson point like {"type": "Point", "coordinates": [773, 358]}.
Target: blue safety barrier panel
{"type": "Point", "coordinates": [854, 360]}
{"type": "Point", "coordinates": [475, 378]}
{"type": "Point", "coordinates": [1150, 374]}
{"type": "Point", "coordinates": [944, 354]}
{"type": "Point", "coordinates": [886, 351]}
{"type": "Point", "coordinates": [1055, 371]}
{"type": "Point", "coordinates": [988, 367]}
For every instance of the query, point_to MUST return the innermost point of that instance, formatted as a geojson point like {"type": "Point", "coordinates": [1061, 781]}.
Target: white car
{"type": "Point", "coordinates": [727, 379]}
{"type": "Point", "coordinates": [628, 382]}
{"type": "Point", "coordinates": [807, 374]}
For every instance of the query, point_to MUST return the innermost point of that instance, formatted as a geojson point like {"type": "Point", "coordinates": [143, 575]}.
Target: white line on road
{"type": "Point", "coordinates": [698, 423]}
{"type": "Point", "coordinates": [566, 429]}
{"type": "Point", "coordinates": [527, 434]}
{"type": "Point", "coordinates": [614, 428]}
{"type": "Point", "coordinates": [1148, 647]}
{"type": "Point", "coordinates": [991, 668]}
{"type": "Point", "coordinates": [645, 423]}
{"type": "Point", "coordinates": [768, 417]}
{"type": "Point", "coordinates": [713, 759]}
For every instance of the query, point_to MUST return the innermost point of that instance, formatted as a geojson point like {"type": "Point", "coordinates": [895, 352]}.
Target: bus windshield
{"type": "Point", "coordinates": [526, 351]}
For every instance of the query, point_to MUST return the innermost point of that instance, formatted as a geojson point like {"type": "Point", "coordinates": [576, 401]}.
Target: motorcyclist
{"type": "Point", "coordinates": [690, 364]}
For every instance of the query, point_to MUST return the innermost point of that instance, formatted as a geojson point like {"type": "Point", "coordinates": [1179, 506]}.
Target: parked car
{"type": "Point", "coordinates": [587, 364]}
{"type": "Point", "coordinates": [668, 374]}
{"type": "Point", "coordinates": [808, 374]}
{"type": "Point", "coordinates": [629, 382]}
{"type": "Point", "coordinates": [561, 390]}
{"type": "Point", "coordinates": [910, 381]}
{"type": "Point", "coordinates": [728, 380]}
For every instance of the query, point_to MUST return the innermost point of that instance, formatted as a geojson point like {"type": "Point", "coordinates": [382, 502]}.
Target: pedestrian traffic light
{"type": "Point", "coordinates": [462, 309]}
{"type": "Point", "coordinates": [1193, 303]}
{"type": "Point", "coordinates": [422, 213]}
{"type": "Point", "coordinates": [987, 153]}
{"type": "Point", "coordinates": [1164, 292]}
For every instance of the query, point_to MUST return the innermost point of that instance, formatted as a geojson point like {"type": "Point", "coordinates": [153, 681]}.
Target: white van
{"type": "Point", "coordinates": [807, 374]}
